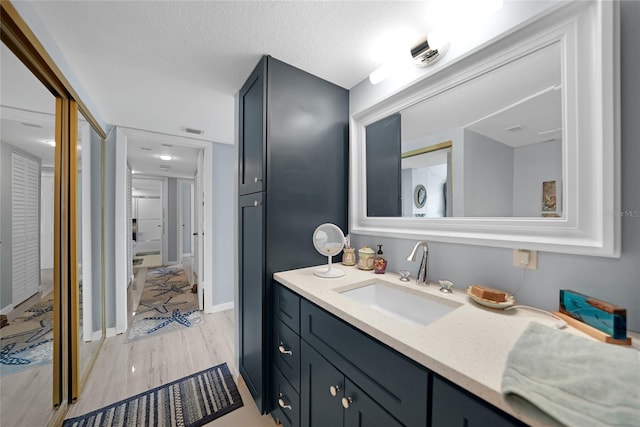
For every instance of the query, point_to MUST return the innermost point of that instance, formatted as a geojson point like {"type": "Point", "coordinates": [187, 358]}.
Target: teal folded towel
{"type": "Point", "coordinates": [577, 381]}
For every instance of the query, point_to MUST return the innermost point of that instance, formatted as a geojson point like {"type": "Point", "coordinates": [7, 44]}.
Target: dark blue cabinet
{"type": "Point", "coordinates": [293, 154]}
{"type": "Point", "coordinates": [383, 161]}
{"type": "Point", "coordinates": [331, 399]}
{"type": "Point", "coordinates": [322, 390]}
{"type": "Point", "coordinates": [251, 132]}
{"type": "Point", "coordinates": [396, 383]}
{"type": "Point", "coordinates": [453, 407]}
{"type": "Point", "coordinates": [336, 376]}
{"type": "Point", "coordinates": [252, 324]}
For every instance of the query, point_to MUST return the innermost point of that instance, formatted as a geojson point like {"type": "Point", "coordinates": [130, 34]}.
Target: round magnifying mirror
{"type": "Point", "coordinates": [328, 239]}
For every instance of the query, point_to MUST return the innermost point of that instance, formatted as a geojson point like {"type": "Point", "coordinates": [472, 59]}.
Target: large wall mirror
{"type": "Point", "coordinates": [30, 384]}
{"type": "Point", "coordinates": [51, 179]}
{"type": "Point", "coordinates": [88, 330]}
{"type": "Point", "coordinates": [515, 145]}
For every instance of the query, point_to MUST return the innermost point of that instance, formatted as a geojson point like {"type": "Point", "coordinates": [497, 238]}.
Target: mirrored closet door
{"type": "Point", "coordinates": [30, 339]}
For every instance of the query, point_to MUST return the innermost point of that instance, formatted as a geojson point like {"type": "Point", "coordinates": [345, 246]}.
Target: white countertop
{"type": "Point", "coordinates": [469, 346]}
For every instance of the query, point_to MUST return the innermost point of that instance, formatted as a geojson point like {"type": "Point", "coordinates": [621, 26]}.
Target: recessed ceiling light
{"type": "Point", "coordinates": [50, 142]}
{"type": "Point", "coordinates": [165, 157]}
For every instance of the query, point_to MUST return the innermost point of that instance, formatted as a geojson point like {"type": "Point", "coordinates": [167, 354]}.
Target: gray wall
{"type": "Point", "coordinates": [224, 199]}
{"type": "Point", "coordinates": [96, 230]}
{"type": "Point", "coordinates": [172, 220]}
{"type": "Point", "coordinates": [614, 280]}
{"type": "Point", "coordinates": [534, 164]}
{"type": "Point", "coordinates": [488, 176]}
{"type": "Point", "coordinates": [110, 230]}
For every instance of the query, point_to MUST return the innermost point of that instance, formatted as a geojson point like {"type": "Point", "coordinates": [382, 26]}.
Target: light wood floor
{"type": "Point", "coordinates": [26, 397]}
{"type": "Point", "coordinates": [124, 369]}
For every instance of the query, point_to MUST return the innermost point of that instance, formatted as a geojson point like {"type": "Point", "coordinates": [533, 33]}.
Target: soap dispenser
{"type": "Point", "coordinates": [379, 264]}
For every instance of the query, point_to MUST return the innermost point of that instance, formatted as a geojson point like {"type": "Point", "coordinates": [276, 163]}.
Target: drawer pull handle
{"type": "Point", "coordinates": [346, 402]}
{"type": "Point", "coordinates": [334, 389]}
{"type": "Point", "coordinates": [256, 179]}
{"type": "Point", "coordinates": [282, 349]}
{"type": "Point", "coordinates": [256, 203]}
{"type": "Point", "coordinates": [283, 404]}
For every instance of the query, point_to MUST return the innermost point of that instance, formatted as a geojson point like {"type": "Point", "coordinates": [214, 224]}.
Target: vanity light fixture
{"type": "Point", "coordinates": [165, 157]}
{"type": "Point", "coordinates": [430, 50]}
{"type": "Point", "coordinates": [425, 53]}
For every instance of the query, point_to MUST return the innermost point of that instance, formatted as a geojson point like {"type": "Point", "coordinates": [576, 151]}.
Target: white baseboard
{"type": "Point", "coordinates": [96, 336]}
{"type": "Point", "coordinates": [7, 309]}
{"type": "Point", "coordinates": [222, 307]}
{"type": "Point", "coordinates": [111, 332]}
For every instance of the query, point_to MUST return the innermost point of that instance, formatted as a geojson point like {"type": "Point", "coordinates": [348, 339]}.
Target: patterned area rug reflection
{"type": "Point", "coordinates": [27, 341]}
{"type": "Point", "coordinates": [166, 304]}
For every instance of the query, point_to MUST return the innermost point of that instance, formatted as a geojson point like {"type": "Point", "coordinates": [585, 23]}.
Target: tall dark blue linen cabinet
{"type": "Point", "coordinates": [293, 176]}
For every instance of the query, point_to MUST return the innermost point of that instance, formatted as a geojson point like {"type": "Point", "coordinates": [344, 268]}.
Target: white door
{"type": "Point", "coordinates": [25, 214]}
{"type": "Point", "coordinates": [149, 220]}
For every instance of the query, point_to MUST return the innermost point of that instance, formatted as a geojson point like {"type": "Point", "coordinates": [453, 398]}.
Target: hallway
{"type": "Point", "coordinates": [124, 369]}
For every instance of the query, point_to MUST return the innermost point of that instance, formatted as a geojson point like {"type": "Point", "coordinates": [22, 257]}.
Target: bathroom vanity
{"type": "Point", "coordinates": [340, 359]}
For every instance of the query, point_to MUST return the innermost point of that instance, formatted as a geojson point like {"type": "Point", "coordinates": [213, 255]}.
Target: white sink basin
{"type": "Point", "coordinates": [414, 308]}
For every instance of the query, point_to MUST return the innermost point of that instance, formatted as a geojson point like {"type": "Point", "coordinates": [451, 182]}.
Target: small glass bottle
{"type": "Point", "coordinates": [379, 264]}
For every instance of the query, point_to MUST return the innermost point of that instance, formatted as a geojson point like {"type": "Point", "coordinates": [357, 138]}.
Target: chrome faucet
{"type": "Point", "coordinates": [423, 272]}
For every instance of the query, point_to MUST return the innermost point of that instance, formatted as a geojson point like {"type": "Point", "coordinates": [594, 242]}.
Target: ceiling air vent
{"type": "Point", "coordinates": [515, 128]}
{"type": "Point", "coordinates": [165, 168]}
{"type": "Point", "coordinates": [193, 131]}
{"type": "Point", "coordinates": [31, 125]}
{"type": "Point", "coordinates": [167, 145]}
{"type": "Point", "coordinates": [145, 148]}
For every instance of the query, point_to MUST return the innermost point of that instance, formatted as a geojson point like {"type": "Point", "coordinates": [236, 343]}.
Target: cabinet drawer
{"type": "Point", "coordinates": [453, 407]}
{"type": "Point", "coordinates": [286, 401]}
{"type": "Point", "coordinates": [286, 353]}
{"type": "Point", "coordinates": [286, 305]}
{"type": "Point", "coordinates": [393, 381]}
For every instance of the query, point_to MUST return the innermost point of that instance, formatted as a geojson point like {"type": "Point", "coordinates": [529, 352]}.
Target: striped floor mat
{"type": "Point", "coordinates": [191, 401]}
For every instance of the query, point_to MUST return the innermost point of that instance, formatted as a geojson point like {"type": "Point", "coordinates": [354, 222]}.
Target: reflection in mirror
{"type": "Point", "coordinates": [426, 181]}
{"type": "Point", "coordinates": [505, 153]}
{"type": "Point", "coordinates": [88, 244]}
{"type": "Point", "coordinates": [27, 169]}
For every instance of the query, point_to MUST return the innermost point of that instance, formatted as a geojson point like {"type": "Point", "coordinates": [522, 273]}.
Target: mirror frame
{"type": "Point", "coordinates": [591, 136]}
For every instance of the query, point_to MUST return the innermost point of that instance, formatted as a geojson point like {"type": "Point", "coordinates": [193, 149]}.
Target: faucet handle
{"type": "Point", "coordinates": [445, 286]}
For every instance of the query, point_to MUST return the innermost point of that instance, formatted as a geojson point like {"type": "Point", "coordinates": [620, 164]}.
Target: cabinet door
{"type": "Point", "coordinates": [320, 408]}
{"type": "Point", "coordinates": [252, 124]}
{"type": "Point", "coordinates": [362, 411]}
{"type": "Point", "coordinates": [252, 326]}
{"type": "Point", "coordinates": [452, 407]}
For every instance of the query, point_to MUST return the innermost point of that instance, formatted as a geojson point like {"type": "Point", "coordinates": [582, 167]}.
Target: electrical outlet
{"type": "Point", "coordinates": [524, 258]}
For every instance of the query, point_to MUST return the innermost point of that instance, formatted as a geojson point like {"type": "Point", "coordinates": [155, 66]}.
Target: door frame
{"type": "Point", "coordinates": [181, 219]}
{"type": "Point", "coordinates": [122, 230]}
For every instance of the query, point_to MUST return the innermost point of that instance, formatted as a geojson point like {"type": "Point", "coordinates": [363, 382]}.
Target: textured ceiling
{"type": "Point", "coordinates": [163, 66]}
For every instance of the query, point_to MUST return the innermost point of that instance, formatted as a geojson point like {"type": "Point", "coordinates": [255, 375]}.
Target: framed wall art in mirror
{"type": "Point", "coordinates": [534, 107]}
